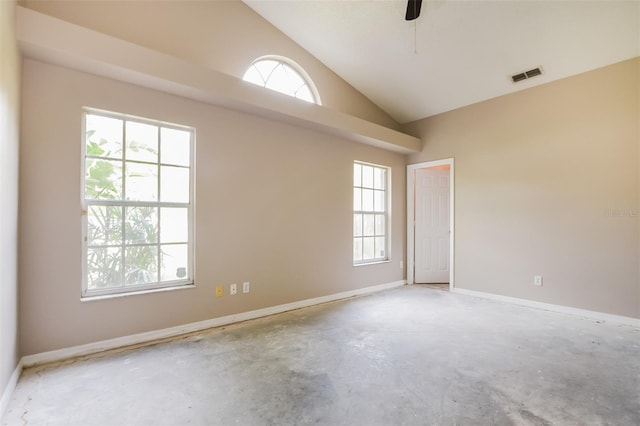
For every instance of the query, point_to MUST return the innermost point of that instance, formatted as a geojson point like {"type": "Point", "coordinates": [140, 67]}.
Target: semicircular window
{"type": "Point", "coordinates": [278, 75]}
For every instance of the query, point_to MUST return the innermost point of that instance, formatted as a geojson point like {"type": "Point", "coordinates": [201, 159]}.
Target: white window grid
{"type": "Point", "coordinates": [121, 287]}
{"type": "Point", "coordinates": [284, 76]}
{"type": "Point", "coordinates": [371, 185]}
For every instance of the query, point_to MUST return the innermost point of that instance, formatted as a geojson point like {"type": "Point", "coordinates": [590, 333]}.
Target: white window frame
{"type": "Point", "coordinates": [386, 213]}
{"type": "Point", "coordinates": [123, 289]}
{"type": "Point", "coordinates": [291, 65]}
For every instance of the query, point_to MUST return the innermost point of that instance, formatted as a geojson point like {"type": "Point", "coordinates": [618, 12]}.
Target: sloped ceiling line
{"type": "Point", "coordinates": [467, 50]}
{"type": "Point", "coordinates": [55, 41]}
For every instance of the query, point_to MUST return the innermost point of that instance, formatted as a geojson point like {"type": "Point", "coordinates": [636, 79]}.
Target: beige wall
{"type": "Point", "coordinates": [9, 126]}
{"type": "Point", "coordinates": [273, 207]}
{"type": "Point", "coordinates": [536, 173]}
{"type": "Point", "coordinates": [225, 35]}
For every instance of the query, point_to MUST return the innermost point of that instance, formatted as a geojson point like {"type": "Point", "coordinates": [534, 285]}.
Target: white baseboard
{"type": "Point", "coordinates": [11, 386]}
{"type": "Point", "coordinates": [599, 316]}
{"type": "Point", "coordinates": [142, 338]}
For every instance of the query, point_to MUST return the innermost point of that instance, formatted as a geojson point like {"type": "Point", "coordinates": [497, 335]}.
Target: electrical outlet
{"type": "Point", "coordinates": [233, 289]}
{"type": "Point", "coordinates": [401, 264]}
{"type": "Point", "coordinates": [537, 280]}
{"type": "Point", "coordinates": [219, 291]}
{"type": "Point", "coordinates": [245, 287]}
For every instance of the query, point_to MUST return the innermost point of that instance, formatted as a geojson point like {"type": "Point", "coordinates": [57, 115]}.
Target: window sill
{"type": "Point", "coordinates": [135, 293]}
{"type": "Point", "coordinates": [378, 262]}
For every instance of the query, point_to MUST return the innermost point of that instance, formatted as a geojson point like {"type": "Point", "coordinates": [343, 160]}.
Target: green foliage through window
{"type": "Point", "coordinates": [129, 243]}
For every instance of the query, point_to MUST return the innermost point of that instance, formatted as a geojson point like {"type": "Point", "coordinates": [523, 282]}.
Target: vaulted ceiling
{"type": "Point", "coordinates": [458, 52]}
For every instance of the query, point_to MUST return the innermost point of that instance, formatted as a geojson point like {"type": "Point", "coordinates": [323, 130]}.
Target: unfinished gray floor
{"type": "Point", "coordinates": [412, 355]}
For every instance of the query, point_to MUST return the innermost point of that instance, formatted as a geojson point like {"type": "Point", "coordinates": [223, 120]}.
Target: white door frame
{"type": "Point", "coordinates": [411, 168]}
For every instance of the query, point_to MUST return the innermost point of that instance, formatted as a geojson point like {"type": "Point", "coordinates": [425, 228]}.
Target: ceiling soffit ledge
{"type": "Point", "coordinates": [58, 42]}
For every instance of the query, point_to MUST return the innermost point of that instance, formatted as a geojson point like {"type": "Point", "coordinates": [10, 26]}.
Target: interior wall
{"type": "Point", "coordinates": [225, 35]}
{"type": "Point", "coordinates": [273, 207]}
{"type": "Point", "coordinates": [9, 145]}
{"type": "Point", "coordinates": [547, 183]}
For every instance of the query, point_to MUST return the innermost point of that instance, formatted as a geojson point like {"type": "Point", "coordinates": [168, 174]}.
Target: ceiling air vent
{"type": "Point", "coordinates": [527, 74]}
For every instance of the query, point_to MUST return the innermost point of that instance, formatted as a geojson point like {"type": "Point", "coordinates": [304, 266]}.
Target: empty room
{"type": "Point", "coordinates": [333, 212]}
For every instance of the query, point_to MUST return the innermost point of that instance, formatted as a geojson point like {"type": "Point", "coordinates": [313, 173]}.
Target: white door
{"type": "Point", "coordinates": [431, 263]}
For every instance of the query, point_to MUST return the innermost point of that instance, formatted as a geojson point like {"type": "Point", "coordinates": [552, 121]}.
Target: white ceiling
{"type": "Point", "coordinates": [463, 52]}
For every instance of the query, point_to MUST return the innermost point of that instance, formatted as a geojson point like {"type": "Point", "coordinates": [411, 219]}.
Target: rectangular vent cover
{"type": "Point", "coordinates": [527, 74]}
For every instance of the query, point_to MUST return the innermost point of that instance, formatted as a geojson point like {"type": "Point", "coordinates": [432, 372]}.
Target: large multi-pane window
{"type": "Point", "coordinates": [370, 213]}
{"type": "Point", "coordinates": [137, 204]}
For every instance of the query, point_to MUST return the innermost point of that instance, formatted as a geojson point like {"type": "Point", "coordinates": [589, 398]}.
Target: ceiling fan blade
{"type": "Point", "coordinates": [413, 9]}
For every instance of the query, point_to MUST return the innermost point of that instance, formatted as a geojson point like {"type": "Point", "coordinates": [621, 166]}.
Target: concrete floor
{"type": "Point", "coordinates": [412, 355]}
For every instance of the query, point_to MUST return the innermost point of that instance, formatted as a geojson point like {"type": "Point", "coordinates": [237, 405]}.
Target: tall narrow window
{"type": "Point", "coordinates": [137, 204]}
{"type": "Point", "coordinates": [370, 213]}
{"type": "Point", "coordinates": [282, 76]}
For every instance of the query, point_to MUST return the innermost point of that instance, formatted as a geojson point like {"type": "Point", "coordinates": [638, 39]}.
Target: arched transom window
{"type": "Point", "coordinates": [282, 76]}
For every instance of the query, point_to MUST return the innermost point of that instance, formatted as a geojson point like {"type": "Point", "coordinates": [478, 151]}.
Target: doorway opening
{"type": "Point", "coordinates": [430, 223]}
